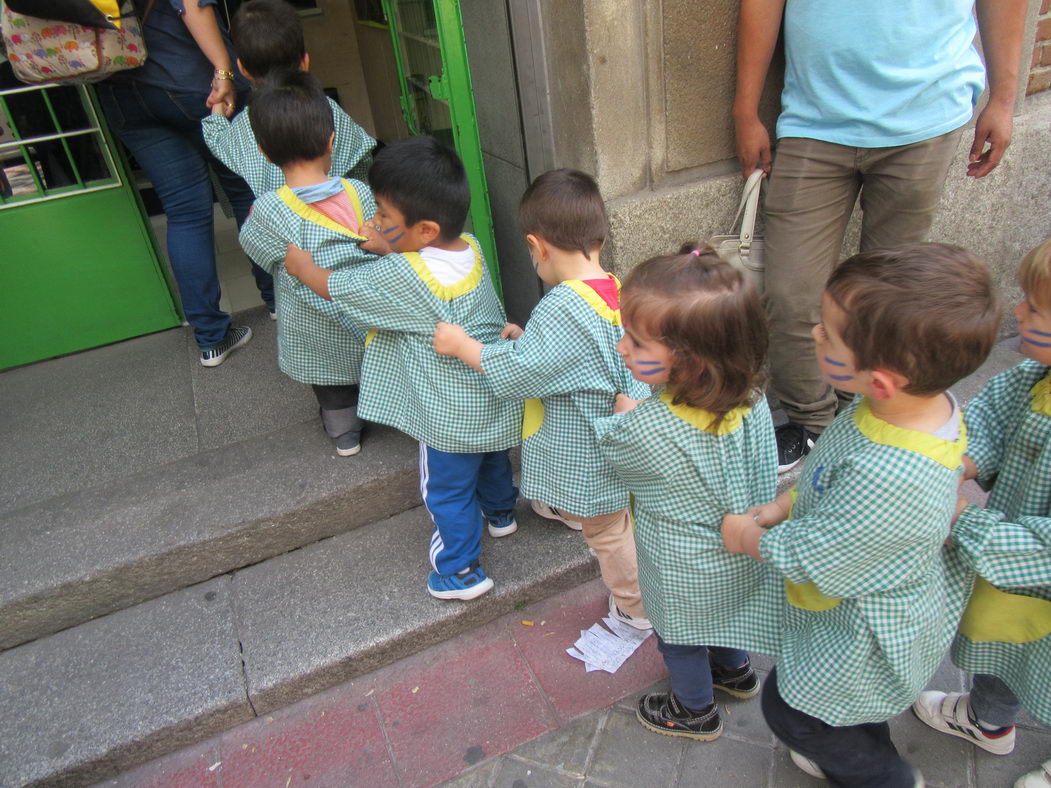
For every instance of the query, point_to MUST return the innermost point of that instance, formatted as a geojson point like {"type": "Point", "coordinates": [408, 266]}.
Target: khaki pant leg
{"type": "Point", "coordinates": [812, 191]}
{"type": "Point", "coordinates": [902, 188]}
{"type": "Point", "coordinates": [613, 541]}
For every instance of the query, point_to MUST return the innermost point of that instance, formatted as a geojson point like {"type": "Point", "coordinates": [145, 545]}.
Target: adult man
{"type": "Point", "coordinates": [875, 98]}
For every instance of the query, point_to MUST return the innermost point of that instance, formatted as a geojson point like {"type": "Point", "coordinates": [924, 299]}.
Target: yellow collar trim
{"type": "Point", "coordinates": [943, 452]}
{"type": "Point", "coordinates": [594, 300]}
{"type": "Point", "coordinates": [456, 289]}
{"type": "Point", "coordinates": [1041, 394]}
{"type": "Point", "coordinates": [289, 198]}
{"type": "Point", "coordinates": [705, 419]}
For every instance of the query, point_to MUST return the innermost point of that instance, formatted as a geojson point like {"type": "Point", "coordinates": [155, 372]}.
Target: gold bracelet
{"type": "Point", "coordinates": [220, 74]}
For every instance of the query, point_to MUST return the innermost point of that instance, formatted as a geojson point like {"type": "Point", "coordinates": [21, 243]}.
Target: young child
{"type": "Point", "coordinates": [566, 363]}
{"type": "Point", "coordinates": [1005, 635]}
{"type": "Point", "coordinates": [701, 447]}
{"type": "Point", "coordinates": [872, 600]}
{"type": "Point", "coordinates": [464, 431]}
{"type": "Point", "coordinates": [268, 38]}
{"type": "Point", "coordinates": [315, 343]}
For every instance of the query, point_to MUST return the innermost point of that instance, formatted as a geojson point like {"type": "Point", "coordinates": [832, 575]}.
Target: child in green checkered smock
{"type": "Point", "coordinates": [1005, 634]}
{"type": "Point", "coordinates": [464, 431]}
{"type": "Point", "coordinates": [701, 447]}
{"type": "Point", "coordinates": [316, 343]}
{"type": "Point", "coordinates": [566, 365]}
{"type": "Point", "coordinates": [872, 597]}
{"type": "Point", "coordinates": [268, 38]}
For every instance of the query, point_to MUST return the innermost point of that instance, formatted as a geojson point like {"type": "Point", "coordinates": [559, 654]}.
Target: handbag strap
{"type": "Point", "coordinates": [749, 207]}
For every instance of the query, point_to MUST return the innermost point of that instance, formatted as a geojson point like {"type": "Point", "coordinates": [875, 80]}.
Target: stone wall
{"type": "Point", "coordinates": [1040, 64]}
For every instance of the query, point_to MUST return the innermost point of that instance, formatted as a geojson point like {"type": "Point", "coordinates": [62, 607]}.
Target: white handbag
{"type": "Point", "coordinates": [743, 250]}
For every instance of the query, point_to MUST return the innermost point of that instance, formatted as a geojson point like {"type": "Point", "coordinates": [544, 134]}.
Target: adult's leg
{"type": "Point", "coordinates": [812, 191]}
{"type": "Point", "coordinates": [496, 487]}
{"type": "Point", "coordinates": [992, 701]}
{"type": "Point", "coordinates": [447, 485]}
{"type": "Point", "coordinates": [901, 189]}
{"type": "Point", "coordinates": [859, 756]}
{"type": "Point", "coordinates": [179, 174]}
{"type": "Point", "coordinates": [610, 536]}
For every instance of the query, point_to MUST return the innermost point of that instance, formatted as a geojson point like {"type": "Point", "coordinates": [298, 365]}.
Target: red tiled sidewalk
{"type": "Point", "coordinates": [426, 718]}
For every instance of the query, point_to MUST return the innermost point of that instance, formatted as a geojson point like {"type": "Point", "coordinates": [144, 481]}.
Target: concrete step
{"type": "Point", "coordinates": [91, 552]}
{"type": "Point", "coordinates": [84, 704]}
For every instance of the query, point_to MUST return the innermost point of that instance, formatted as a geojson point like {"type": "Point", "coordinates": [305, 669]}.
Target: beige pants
{"type": "Point", "coordinates": [613, 541]}
{"type": "Point", "coordinates": [812, 191]}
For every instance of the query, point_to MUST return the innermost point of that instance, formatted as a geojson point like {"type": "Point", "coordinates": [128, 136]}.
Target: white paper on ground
{"type": "Point", "coordinates": [600, 649]}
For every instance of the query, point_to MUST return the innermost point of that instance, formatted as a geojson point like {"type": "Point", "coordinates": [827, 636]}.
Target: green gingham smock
{"type": "Point", "coordinates": [438, 400]}
{"type": "Point", "coordinates": [872, 598]}
{"type": "Point", "coordinates": [685, 473]}
{"type": "Point", "coordinates": [233, 143]}
{"type": "Point", "coordinates": [316, 343]}
{"type": "Point", "coordinates": [566, 364]}
{"type": "Point", "coordinates": [1006, 629]}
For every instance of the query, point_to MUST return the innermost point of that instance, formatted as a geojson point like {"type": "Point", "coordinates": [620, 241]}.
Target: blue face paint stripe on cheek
{"type": "Point", "coordinates": [648, 363]}
{"type": "Point", "coordinates": [1039, 333]}
{"type": "Point", "coordinates": [841, 377]}
{"type": "Point", "coordinates": [835, 363]}
{"type": "Point", "coordinates": [656, 371]}
{"type": "Point", "coordinates": [1034, 342]}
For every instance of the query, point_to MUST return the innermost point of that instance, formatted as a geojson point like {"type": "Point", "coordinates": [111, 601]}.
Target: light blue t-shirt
{"type": "Point", "coordinates": [876, 73]}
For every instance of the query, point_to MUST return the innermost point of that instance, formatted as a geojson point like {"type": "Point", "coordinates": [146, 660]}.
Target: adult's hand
{"type": "Point", "coordinates": [223, 94]}
{"type": "Point", "coordinates": [753, 145]}
{"type": "Point", "coordinates": [992, 135]}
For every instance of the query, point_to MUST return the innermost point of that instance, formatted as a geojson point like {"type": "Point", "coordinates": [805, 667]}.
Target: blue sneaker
{"type": "Point", "coordinates": [472, 583]}
{"type": "Point", "coordinates": [501, 524]}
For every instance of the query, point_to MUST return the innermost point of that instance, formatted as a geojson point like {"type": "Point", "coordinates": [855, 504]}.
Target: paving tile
{"type": "Point", "coordinates": [479, 777]}
{"type": "Point", "coordinates": [943, 760]}
{"type": "Point", "coordinates": [194, 767]}
{"type": "Point", "coordinates": [1001, 771]}
{"type": "Point", "coordinates": [460, 707]}
{"type": "Point", "coordinates": [566, 748]}
{"type": "Point", "coordinates": [725, 762]}
{"type": "Point", "coordinates": [557, 625]}
{"type": "Point", "coordinates": [330, 742]}
{"type": "Point", "coordinates": [513, 773]}
{"type": "Point", "coordinates": [89, 418]}
{"type": "Point", "coordinates": [786, 774]}
{"type": "Point", "coordinates": [630, 755]}
{"type": "Point", "coordinates": [743, 719]}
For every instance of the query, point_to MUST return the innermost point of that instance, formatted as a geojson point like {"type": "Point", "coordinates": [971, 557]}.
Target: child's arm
{"type": "Point", "coordinates": [1005, 553]}
{"type": "Point", "coordinates": [218, 134]}
{"type": "Point", "coordinates": [742, 532]}
{"type": "Point", "coordinates": [452, 340]}
{"type": "Point", "coordinates": [987, 418]}
{"type": "Point", "coordinates": [301, 265]}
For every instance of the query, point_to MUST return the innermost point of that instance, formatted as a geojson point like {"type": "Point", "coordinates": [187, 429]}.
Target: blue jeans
{"type": "Point", "coordinates": [457, 489]}
{"type": "Point", "coordinates": [162, 129]}
{"type": "Point", "coordinates": [689, 668]}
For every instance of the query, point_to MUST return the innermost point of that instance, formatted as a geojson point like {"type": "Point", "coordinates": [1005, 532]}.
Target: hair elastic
{"type": "Point", "coordinates": [696, 252]}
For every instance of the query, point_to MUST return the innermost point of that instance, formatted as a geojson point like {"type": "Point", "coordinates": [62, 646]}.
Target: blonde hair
{"type": "Point", "coordinates": [1034, 274]}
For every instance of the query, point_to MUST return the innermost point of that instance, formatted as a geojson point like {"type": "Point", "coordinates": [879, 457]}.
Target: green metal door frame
{"type": "Point", "coordinates": [453, 86]}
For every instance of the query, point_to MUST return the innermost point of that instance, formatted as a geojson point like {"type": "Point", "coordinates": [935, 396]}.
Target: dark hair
{"type": "Point", "coordinates": [268, 37]}
{"type": "Point", "coordinates": [291, 118]}
{"type": "Point", "coordinates": [425, 181]}
{"type": "Point", "coordinates": [565, 208]}
{"type": "Point", "coordinates": [926, 311]}
{"type": "Point", "coordinates": [710, 317]}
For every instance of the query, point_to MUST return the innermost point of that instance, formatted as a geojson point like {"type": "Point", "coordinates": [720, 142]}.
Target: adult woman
{"type": "Point", "coordinates": [156, 112]}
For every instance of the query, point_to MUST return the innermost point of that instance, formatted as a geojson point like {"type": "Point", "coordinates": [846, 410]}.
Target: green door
{"type": "Point", "coordinates": [78, 267]}
{"type": "Point", "coordinates": [437, 97]}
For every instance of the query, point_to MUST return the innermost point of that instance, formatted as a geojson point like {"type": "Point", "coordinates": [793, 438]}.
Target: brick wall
{"type": "Point", "coordinates": [1040, 65]}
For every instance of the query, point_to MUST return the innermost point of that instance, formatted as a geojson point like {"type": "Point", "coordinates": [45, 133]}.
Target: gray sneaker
{"type": "Point", "coordinates": [216, 354]}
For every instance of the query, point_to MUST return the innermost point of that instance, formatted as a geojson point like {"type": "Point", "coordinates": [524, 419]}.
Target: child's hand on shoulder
{"type": "Point", "coordinates": [449, 338]}
{"type": "Point", "coordinates": [511, 331]}
{"type": "Point", "coordinates": [623, 403]}
{"type": "Point", "coordinates": [374, 241]}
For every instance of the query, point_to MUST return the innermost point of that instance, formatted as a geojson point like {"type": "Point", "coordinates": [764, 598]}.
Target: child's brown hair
{"type": "Point", "coordinates": [1034, 275]}
{"type": "Point", "coordinates": [926, 311]}
{"type": "Point", "coordinates": [565, 208]}
{"type": "Point", "coordinates": [711, 319]}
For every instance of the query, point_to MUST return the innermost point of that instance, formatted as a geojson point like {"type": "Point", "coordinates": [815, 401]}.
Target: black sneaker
{"type": "Point", "coordinates": [664, 714]}
{"type": "Point", "coordinates": [348, 444]}
{"type": "Point", "coordinates": [794, 442]}
{"type": "Point", "coordinates": [742, 682]}
{"type": "Point", "coordinates": [216, 354]}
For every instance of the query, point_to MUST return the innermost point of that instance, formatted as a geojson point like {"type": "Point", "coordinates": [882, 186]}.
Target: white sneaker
{"type": "Point", "coordinates": [632, 621]}
{"type": "Point", "coordinates": [551, 513]}
{"type": "Point", "coordinates": [806, 765]}
{"type": "Point", "coordinates": [950, 712]}
{"type": "Point", "coordinates": [1040, 778]}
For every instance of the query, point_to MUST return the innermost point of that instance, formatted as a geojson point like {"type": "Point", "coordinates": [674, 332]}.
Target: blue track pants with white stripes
{"type": "Point", "coordinates": [458, 490]}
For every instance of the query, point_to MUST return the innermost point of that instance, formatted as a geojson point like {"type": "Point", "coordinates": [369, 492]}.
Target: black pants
{"type": "Point", "coordinates": [336, 397]}
{"type": "Point", "coordinates": [852, 756]}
